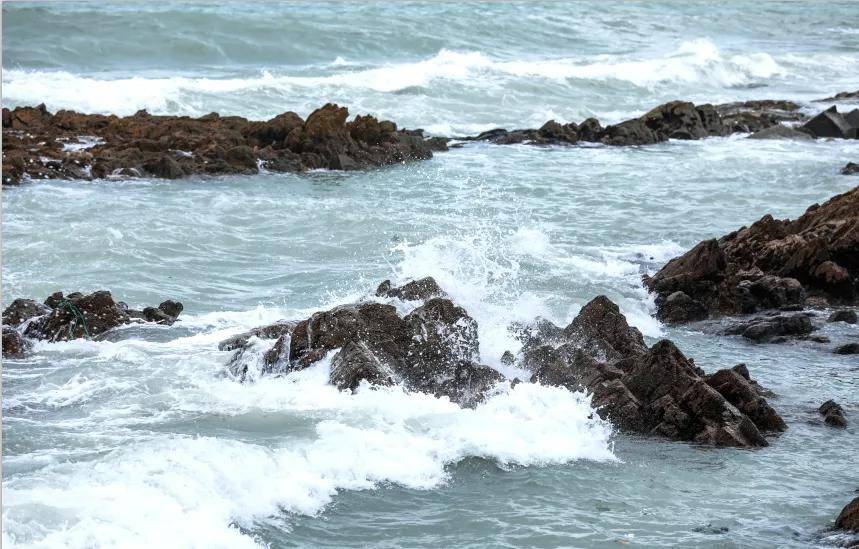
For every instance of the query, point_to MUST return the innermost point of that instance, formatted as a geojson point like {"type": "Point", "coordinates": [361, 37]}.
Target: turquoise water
{"type": "Point", "coordinates": [141, 441]}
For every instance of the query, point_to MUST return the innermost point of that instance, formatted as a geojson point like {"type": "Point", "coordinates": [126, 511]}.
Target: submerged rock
{"type": "Point", "coordinates": [844, 315]}
{"type": "Point", "coordinates": [850, 168]}
{"type": "Point", "coordinates": [76, 315]}
{"type": "Point", "coordinates": [772, 328]}
{"type": "Point", "coordinates": [36, 144]}
{"type": "Point", "coordinates": [833, 414]}
{"type": "Point", "coordinates": [773, 264]}
{"type": "Point", "coordinates": [654, 391]}
{"type": "Point", "coordinates": [847, 349]}
{"type": "Point", "coordinates": [781, 132]}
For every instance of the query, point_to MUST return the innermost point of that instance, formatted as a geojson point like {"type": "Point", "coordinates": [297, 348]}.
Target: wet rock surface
{"type": "Point", "coordinates": [433, 349]}
{"type": "Point", "coordinates": [833, 414]}
{"type": "Point", "coordinates": [848, 519]}
{"type": "Point", "coordinates": [654, 391]}
{"type": "Point", "coordinates": [850, 168]}
{"type": "Point", "coordinates": [773, 264]}
{"type": "Point", "coordinates": [672, 120]}
{"type": "Point", "coordinates": [38, 144]}
{"type": "Point", "coordinates": [76, 315]}
{"type": "Point", "coordinates": [773, 327]}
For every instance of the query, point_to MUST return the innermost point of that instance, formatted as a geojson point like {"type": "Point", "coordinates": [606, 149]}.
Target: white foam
{"type": "Point", "coordinates": [194, 491]}
{"type": "Point", "coordinates": [692, 61]}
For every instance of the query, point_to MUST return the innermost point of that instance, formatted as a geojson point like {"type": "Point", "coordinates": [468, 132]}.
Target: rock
{"type": "Point", "coordinates": [14, 344]}
{"type": "Point", "coordinates": [433, 349]}
{"type": "Point", "coordinates": [833, 414]}
{"type": "Point", "coordinates": [21, 310]}
{"type": "Point", "coordinates": [771, 264]}
{"type": "Point", "coordinates": [850, 168]}
{"type": "Point", "coordinates": [847, 349]}
{"type": "Point", "coordinates": [781, 132]}
{"type": "Point", "coordinates": [356, 363]}
{"type": "Point", "coordinates": [77, 315]}
{"type": "Point", "coordinates": [842, 96]}
{"type": "Point", "coordinates": [844, 315]}
{"type": "Point", "coordinates": [746, 396]}
{"type": "Point", "coordinates": [655, 391]}
{"type": "Point", "coordinates": [177, 146]}
{"type": "Point", "coordinates": [848, 519]}
{"type": "Point", "coordinates": [679, 307]}
{"type": "Point", "coordinates": [768, 328]}
{"type": "Point", "coordinates": [166, 313]}
{"type": "Point", "coordinates": [830, 123]}
{"type": "Point", "coordinates": [422, 289]}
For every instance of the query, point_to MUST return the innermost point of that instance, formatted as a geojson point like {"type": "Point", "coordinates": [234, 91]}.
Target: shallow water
{"type": "Point", "coordinates": [141, 441]}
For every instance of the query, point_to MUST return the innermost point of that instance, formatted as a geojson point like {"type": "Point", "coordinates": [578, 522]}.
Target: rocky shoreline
{"type": "Point", "coordinates": [38, 144]}
{"type": "Point", "coordinates": [780, 265]}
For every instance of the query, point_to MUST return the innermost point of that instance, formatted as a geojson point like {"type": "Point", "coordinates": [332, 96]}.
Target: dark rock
{"type": "Point", "coordinates": [850, 168]}
{"type": "Point", "coordinates": [781, 132]}
{"type": "Point", "coordinates": [14, 344]}
{"type": "Point", "coordinates": [356, 363]}
{"type": "Point", "coordinates": [177, 146]}
{"type": "Point", "coordinates": [21, 310]}
{"type": "Point", "coordinates": [833, 414]}
{"type": "Point", "coordinates": [433, 349]}
{"type": "Point", "coordinates": [772, 263]}
{"type": "Point", "coordinates": [844, 315]}
{"type": "Point", "coordinates": [655, 391]}
{"type": "Point", "coordinates": [847, 349]}
{"type": "Point", "coordinates": [77, 315]}
{"type": "Point", "coordinates": [768, 328]}
{"type": "Point", "coordinates": [830, 123]}
{"type": "Point", "coordinates": [272, 331]}
{"type": "Point", "coordinates": [679, 307]}
{"type": "Point", "coordinates": [739, 391]}
{"type": "Point", "coordinates": [422, 289]}
{"type": "Point", "coordinates": [165, 313]}
{"type": "Point", "coordinates": [842, 96]}
{"type": "Point", "coordinates": [848, 519]}
{"type": "Point", "coordinates": [631, 132]}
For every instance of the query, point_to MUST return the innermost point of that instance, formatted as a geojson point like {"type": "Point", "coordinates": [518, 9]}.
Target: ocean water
{"type": "Point", "coordinates": [140, 440]}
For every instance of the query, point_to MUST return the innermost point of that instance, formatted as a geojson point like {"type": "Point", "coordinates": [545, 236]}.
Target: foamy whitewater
{"type": "Point", "coordinates": [141, 440]}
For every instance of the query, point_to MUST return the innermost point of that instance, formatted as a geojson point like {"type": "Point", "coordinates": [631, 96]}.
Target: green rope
{"type": "Point", "coordinates": [80, 319]}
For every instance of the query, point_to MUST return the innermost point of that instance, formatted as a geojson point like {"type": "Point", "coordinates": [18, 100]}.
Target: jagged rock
{"type": "Point", "coordinates": [772, 263]}
{"type": "Point", "coordinates": [830, 123]}
{"type": "Point", "coordinates": [21, 310]}
{"type": "Point", "coordinates": [177, 146]}
{"type": "Point", "coordinates": [746, 396]}
{"type": "Point", "coordinates": [768, 328]}
{"type": "Point", "coordinates": [847, 349]}
{"type": "Point", "coordinates": [433, 349]}
{"type": "Point", "coordinates": [655, 391]}
{"type": "Point", "coordinates": [14, 344]}
{"type": "Point", "coordinates": [848, 519]}
{"type": "Point", "coordinates": [77, 315]}
{"type": "Point", "coordinates": [781, 132]}
{"type": "Point", "coordinates": [166, 313]}
{"type": "Point", "coordinates": [844, 315]}
{"type": "Point", "coordinates": [850, 168]}
{"type": "Point", "coordinates": [833, 414]}
{"type": "Point", "coordinates": [842, 96]}
{"type": "Point", "coordinates": [679, 307]}
{"type": "Point", "coordinates": [422, 289]}
{"type": "Point", "coordinates": [356, 363]}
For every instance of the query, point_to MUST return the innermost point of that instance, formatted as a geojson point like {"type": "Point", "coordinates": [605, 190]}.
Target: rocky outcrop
{"type": "Point", "coordinates": [844, 315]}
{"type": "Point", "coordinates": [433, 349]}
{"type": "Point", "coordinates": [770, 265]}
{"type": "Point", "coordinates": [673, 120]}
{"type": "Point", "coordinates": [14, 344]}
{"type": "Point", "coordinates": [848, 519]}
{"type": "Point", "coordinates": [772, 327]}
{"type": "Point", "coordinates": [422, 289]}
{"type": "Point", "coordinates": [831, 123]}
{"type": "Point", "coordinates": [850, 168]}
{"type": "Point", "coordinates": [62, 318]}
{"type": "Point", "coordinates": [842, 96]}
{"type": "Point", "coordinates": [833, 414]}
{"type": "Point", "coordinates": [655, 391]}
{"type": "Point", "coordinates": [38, 144]}
{"type": "Point", "coordinates": [847, 349]}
